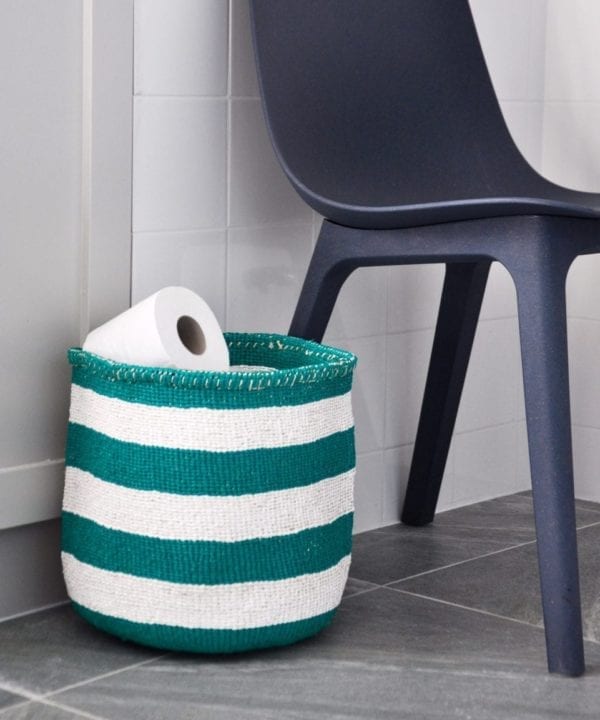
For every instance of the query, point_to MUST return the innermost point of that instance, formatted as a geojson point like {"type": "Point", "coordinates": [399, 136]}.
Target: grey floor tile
{"type": "Point", "coordinates": [319, 691]}
{"type": "Point", "coordinates": [587, 505]}
{"type": "Point", "coordinates": [579, 504]}
{"type": "Point", "coordinates": [387, 655]}
{"type": "Point", "coordinates": [506, 519]}
{"type": "Point", "coordinates": [8, 698]}
{"type": "Point", "coordinates": [508, 584]}
{"type": "Point", "coordinates": [51, 649]}
{"type": "Point", "coordinates": [397, 551]}
{"type": "Point", "coordinates": [401, 551]}
{"type": "Point", "coordinates": [354, 586]}
{"type": "Point", "coordinates": [40, 711]}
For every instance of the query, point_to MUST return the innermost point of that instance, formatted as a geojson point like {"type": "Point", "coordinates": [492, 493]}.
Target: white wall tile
{"type": "Point", "coordinates": [586, 449]}
{"type": "Point", "coordinates": [446, 499]}
{"type": "Point", "coordinates": [572, 69]}
{"type": "Point", "coordinates": [485, 463]}
{"type": "Point", "coordinates": [243, 69]}
{"type": "Point", "coordinates": [397, 469]}
{"type": "Point", "coordinates": [194, 259]}
{"type": "Point", "coordinates": [414, 293]}
{"type": "Point", "coordinates": [500, 299]}
{"type": "Point", "coordinates": [571, 157]}
{"type": "Point", "coordinates": [504, 33]}
{"type": "Point", "coordinates": [181, 47]}
{"type": "Point", "coordinates": [360, 309]}
{"type": "Point", "coordinates": [368, 488]}
{"type": "Point", "coordinates": [571, 149]}
{"type": "Point", "coordinates": [584, 350]}
{"type": "Point", "coordinates": [490, 396]}
{"type": "Point", "coordinates": [583, 288]}
{"type": "Point", "coordinates": [536, 70]}
{"type": "Point", "coordinates": [179, 163]}
{"type": "Point", "coordinates": [523, 472]}
{"type": "Point", "coordinates": [266, 269]}
{"type": "Point", "coordinates": [525, 123]}
{"type": "Point", "coordinates": [368, 391]}
{"type": "Point", "coordinates": [407, 364]}
{"type": "Point", "coordinates": [517, 118]}
{"type": "Point", "coordinates": [259, 191]}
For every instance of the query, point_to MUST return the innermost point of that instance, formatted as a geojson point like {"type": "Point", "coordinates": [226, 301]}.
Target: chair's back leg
{"type": "Point", "coordinates": [463, 291]}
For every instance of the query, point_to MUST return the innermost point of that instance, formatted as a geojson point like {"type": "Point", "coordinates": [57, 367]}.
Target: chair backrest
{"type": "Point", "coordinates": [383, 103]}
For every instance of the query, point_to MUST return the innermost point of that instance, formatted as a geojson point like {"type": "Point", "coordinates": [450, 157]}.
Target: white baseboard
{"type": "Point", "coordinates": [30, 493]}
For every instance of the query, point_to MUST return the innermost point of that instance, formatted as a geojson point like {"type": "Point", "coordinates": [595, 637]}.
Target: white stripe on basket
{"type": "Point", "coordinates": [209, 429]}
{"type": "Point", "coordinates": [229, 607]}
{"type": "Point", "coordinates": [228, 518]}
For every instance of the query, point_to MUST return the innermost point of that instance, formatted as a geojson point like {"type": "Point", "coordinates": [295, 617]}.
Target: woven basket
{"type": "Point", "coordinates": [211, 511]}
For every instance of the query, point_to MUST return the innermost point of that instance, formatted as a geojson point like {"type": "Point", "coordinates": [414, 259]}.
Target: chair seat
{"type": "Point", "coordinates": [548, 200]}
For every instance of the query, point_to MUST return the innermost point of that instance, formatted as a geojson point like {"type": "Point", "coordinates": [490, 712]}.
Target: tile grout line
{"type": "Point", "coordinates": [477, 557]}
{"type": "Point", "coordinates": [33, 698]}
{"type": "Point", "coordinates": [228, 164]}
{"type": "Point", "coordinates": [15, 706]}
{"type": "Point", "coordinates": [589, 525]}
{"type": "Point", "coordinates": [95, 678]}
{"type": "Point", "coordinates": [459, 562]}
{"type": "Point", "coordinates": [34, 611]}
{"type": "Point", "coordinates": [589, 509]}
{"type": "Point", "coordinates": [48, 698]}
{"type": "Point", "coordinates": [475, 610]}
{"type": "Point", "coordinates": [25, 695]}
{"type": "Point", "coordinates": [465, 607]}
{"type": "Point", "coordinates": [71, 709]}
{"type": "Point", "coordinates": [362, 592]}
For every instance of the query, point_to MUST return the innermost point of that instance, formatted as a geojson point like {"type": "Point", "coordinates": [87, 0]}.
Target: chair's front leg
{"type": "Point", "coordinates": [543, 332]}
{"type": "Point", "coordinates": [328, 269]}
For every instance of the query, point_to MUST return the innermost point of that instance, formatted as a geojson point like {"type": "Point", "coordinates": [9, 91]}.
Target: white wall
{"type": "Point", "coordinates": [212, 210]}
{"type": "Point", "coordinates": [571, 156]}
{"type": "Point", "coordinates": [40, 181]}
{"type": "Point", "coordinates": [64, 252]}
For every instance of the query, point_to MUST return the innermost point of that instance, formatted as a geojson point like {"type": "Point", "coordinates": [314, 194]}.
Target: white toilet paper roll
{"type": "Point", "coordinates": [172, 328]}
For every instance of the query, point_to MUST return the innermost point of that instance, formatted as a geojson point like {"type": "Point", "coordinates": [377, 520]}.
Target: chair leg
{"type": "Point", "coordinates": [464, 287]}
{"type": "Point", "coordinates": [325, 276]}
{"type": "Point", "coordinates": [543, 332]}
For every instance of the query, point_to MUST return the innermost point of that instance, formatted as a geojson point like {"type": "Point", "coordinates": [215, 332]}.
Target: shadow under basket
{"type": "Point", "coordinates": [211, 511]}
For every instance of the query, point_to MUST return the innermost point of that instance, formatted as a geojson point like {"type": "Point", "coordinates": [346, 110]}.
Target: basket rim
{"type": "Point", "coordinates": [332, 363]}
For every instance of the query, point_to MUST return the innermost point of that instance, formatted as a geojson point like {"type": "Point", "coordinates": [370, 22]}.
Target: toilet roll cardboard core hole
{"type": "Point", "coordinates": [191, 335]}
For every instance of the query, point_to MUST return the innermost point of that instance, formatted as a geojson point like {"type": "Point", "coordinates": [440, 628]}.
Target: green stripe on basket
{"type": "Point", "coordinates": [216, 398]}
{"type": "Point", "coordinates": [199, 472]}
{"type": "Point", "coordinates": [207, 640]}
{"type": "Point", "coordinates": [207, 562]}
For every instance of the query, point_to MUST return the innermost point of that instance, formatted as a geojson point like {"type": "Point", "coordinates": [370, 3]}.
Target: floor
{"type": "Point", "coordinates": [437, 622]}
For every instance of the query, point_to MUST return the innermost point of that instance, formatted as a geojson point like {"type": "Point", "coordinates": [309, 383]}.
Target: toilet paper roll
{"type": "Point", "coordinates": [172, 328]}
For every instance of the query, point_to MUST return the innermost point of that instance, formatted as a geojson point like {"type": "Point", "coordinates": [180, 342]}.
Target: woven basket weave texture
{"type": "Point", "coordinates": [211, 511]}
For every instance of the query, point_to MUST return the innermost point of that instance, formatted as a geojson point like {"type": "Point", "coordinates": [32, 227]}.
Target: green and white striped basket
{"type": "Point", "coordinates": [211, 511]}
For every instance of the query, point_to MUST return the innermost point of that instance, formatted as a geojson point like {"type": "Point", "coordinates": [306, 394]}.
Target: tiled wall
{"type": "Point", "coordinates": [212, 211]}
{"type": "Point", "coordinates": [571, 156]}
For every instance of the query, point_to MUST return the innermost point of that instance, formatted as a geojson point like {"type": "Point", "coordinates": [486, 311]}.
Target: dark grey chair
{"type": "Point", "coordinates": [383, 116]}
